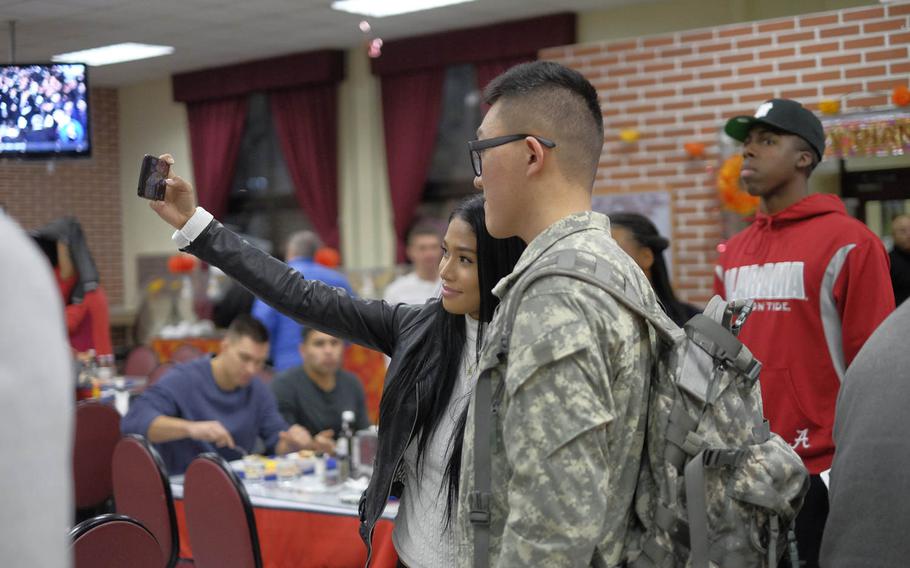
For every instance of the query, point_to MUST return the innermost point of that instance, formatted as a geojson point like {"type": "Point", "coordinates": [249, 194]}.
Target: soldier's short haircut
{"type": "Point", "coordinates": [550, 100]}
{"type": "Point", "coordinates": [246, 325]}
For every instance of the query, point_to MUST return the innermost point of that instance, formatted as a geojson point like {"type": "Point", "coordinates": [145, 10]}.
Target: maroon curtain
{"type": "Point", "coordinates": [306, 122]}
{"type": "Point", "coordinates": [489, 70]}
{"type": "Point", "coordinates": [411, 103]}
{"type": "Point", "coordinates": [216, 127]}
{"type": "Point", "coordinates": [283, 72]}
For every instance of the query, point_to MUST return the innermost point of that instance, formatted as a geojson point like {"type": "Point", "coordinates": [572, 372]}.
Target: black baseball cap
{"type": "Point", "coordinates": [784, 115]}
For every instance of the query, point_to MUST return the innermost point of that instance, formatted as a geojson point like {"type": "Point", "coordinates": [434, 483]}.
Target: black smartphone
{"type": "Point", "coordinates": [151, 178]}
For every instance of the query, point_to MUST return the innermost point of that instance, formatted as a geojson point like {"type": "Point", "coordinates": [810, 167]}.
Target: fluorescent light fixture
{"type": "Point", "coordinates": [383, 8]}
{"type": "Point", "coordinates": [118, 53]}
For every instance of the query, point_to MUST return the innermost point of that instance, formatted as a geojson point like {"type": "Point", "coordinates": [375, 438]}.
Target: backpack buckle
{"type": "Point", "coordinates": [480, 508]}
{"type": "Point", "coordinates": [722, 458]}
{"type": "Point", "coordinates": [753, 370]}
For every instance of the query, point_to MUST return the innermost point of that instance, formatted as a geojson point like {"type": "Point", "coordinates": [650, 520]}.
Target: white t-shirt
{"type": "Point", "coordinates": [420, 536]}
{"type": "Point", "coordinates": [36, 409]}
{"type": "Point", "coordinates": [411, 289]}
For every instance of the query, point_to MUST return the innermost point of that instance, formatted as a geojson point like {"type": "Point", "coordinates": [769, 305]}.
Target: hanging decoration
{"type": "Point", "coordinates": [374, 49]}
{"type": "Point", "coordinates": [868, 135]}
{"type": "Point", "coordinates": [372, 44]}
{"type": "Point", "coordinates": [629, 135]}
{"type": "Point", "coordinates": [732, 195]}
{"type": "Point", "coordinates": [829, 106]}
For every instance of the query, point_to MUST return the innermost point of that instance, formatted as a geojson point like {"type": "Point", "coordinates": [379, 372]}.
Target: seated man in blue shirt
{"type": "Point", "coordinates": [285, 332]}
{"type": "Point", "coordinates": [215, 404]}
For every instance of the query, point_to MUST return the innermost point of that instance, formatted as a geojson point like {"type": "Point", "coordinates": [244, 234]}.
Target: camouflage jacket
{"type": "Point", "coordinates": [569, 435]}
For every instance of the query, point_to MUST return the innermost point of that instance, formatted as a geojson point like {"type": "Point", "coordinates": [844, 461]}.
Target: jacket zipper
{"type": "Point", "coordinates": [394, 470]}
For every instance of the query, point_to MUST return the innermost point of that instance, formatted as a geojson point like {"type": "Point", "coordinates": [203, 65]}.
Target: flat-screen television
{"type": "Point", "coordinates": [44, 110]}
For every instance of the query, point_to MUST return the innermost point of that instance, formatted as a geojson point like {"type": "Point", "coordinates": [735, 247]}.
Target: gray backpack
{"type": "Point", "coordinates": [716, 487]}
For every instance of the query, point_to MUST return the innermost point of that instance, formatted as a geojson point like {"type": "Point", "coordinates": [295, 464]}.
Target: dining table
{"type": "Point", "coordinates": [305, 522]}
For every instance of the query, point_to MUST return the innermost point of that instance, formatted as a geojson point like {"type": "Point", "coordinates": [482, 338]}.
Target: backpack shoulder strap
{"type": "Point", "coordinates": [597, 272]}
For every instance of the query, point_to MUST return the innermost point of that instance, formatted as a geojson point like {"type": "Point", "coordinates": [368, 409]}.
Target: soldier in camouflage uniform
{"type": "Point", "coordinates": [570, 430]}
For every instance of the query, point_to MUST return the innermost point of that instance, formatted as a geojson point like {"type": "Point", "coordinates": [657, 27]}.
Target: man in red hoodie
{"type": "Point", "coordinates": [821, 285]}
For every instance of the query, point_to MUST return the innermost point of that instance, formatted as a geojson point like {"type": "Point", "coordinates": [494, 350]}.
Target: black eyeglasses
{"type": "Point", "coordinates": [475, 147]}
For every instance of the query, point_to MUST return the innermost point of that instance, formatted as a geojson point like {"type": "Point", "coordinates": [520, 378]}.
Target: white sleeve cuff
{"type": "Point", "coordinates": [193, 228]}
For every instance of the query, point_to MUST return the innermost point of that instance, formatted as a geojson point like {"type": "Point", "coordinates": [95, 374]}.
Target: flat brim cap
{"type": "Point", "coordinates": [785, 115]}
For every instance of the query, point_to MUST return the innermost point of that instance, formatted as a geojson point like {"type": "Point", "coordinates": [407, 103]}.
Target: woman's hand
{"type": "Point", "coordinates": [179, 201]}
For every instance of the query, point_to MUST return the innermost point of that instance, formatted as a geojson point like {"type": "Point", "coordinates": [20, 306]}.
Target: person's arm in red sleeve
{"type": "Point", "coordinates": [96, 304]}
{"type": "Point", "coordinates": [863, 295]}
{"type": "Point", "coordinates": [75, 313]}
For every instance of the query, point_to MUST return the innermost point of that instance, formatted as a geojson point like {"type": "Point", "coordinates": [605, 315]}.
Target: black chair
{"type": "Point", "coordinates": [114, 541]}
{"type": "Point", "coordinates": [142, 491]}
{"type": "Point", "coordinates": [219, 517]}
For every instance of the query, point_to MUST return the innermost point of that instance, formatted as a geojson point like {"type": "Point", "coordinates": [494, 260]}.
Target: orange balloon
{"type": "Point", "coordinates": [695, 149]}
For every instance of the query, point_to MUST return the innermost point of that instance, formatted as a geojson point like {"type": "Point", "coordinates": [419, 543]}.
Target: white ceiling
{"type": "Point", "coordinates": [208, 33]}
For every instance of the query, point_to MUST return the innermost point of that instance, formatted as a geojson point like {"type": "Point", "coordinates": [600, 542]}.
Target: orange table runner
{"type": "Point", "coordinates": [302, 539]}
{"type": "Point", "coordinates": [164, 348]}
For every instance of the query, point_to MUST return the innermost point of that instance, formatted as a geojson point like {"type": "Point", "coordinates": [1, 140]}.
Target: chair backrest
{"type": "Point", "coordinates": [141, 361]}
{"type": "Point", "coordinates": [159, 372]}
{"type": "Point", "coordinates": [114, 541]}
{"type": "Point", "coordinates": [97, 432]}
{"type": "Point", "coordinates": [143, 492]}
{"type": "Point", "coordinates": [219, 517]}
{"type": "Point", "coordinates": [186, 352]}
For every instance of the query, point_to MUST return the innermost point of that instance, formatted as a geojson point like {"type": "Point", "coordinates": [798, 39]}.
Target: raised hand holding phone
{"type": "Point", "coordinates": [179, 202]}
{"type": "Point", "coordinates": [151, 178]}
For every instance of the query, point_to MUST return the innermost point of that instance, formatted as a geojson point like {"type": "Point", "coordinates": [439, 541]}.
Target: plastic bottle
{"type": "Point", "coordinates": [331, 472]}
{"type": "Point", "coordinates": [342, 456]}
{"type": "Point", "coordinates": [87, 379]}
{"type": "Point", "coordinates": [106, 368]}
{"type": "Point", "coordinates": [346, 441]}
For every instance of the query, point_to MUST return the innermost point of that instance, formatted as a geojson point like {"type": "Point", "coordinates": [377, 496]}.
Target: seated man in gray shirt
{"type": "Point", "coordinates": [315, 394]}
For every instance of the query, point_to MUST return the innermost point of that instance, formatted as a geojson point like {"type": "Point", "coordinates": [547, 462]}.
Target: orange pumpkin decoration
{"type": "Point", "coordinates": [181, 264]}
{"type": "Point", "coordinates": [327, 256]}
{"type": "Point", "coordinates": [900, 95]}
{"type": "Point", "coordinates": [695, 149]}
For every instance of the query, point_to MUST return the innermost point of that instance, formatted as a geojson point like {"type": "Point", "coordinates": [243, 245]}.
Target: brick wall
{"type": "Point", "coordinates": [35, 192]}
{"type": "Point", "coordinates": [680, 87]}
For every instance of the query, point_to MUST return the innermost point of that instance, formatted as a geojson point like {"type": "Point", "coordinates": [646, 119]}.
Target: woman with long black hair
{"type": "Point", "coordinates": [433, 349]}
{"type": "Point", "coordinates": [638, 236]}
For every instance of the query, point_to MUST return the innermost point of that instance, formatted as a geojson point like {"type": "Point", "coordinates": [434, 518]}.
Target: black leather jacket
{"type": "Point", "coordinates": [395, 330]}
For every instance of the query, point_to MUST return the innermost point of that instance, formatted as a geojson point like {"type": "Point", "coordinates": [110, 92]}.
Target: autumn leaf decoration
{"type": "Point", "coordinates": [732, 195]}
